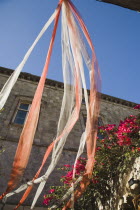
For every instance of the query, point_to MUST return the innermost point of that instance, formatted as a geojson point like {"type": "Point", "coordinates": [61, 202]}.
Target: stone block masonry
{"type": "Point", "coordinates": [112, 110]}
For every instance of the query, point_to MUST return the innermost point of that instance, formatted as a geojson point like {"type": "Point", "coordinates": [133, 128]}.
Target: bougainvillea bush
{"type": "Point", "coordinates": [117, 146]}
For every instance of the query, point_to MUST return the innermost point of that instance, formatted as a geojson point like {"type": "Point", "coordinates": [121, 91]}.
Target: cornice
{"type": "Point", "coordinates": [130, 4]}
{"type": "Point", "coordinates": [53, 83]}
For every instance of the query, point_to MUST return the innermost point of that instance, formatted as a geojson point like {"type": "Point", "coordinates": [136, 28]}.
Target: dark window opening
{"type": "Point", "coordinates": [100, 122]}
{"type": "Point", "coordinates": [21, 113]}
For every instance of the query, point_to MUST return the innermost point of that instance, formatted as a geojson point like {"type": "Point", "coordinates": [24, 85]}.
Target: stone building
{"type": "Point", "coordinates": [12, 119]}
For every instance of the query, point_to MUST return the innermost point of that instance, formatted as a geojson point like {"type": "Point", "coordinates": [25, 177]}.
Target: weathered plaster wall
{"type": "Point", "coordinates": [50, 108]}
{"type": "Point", "coordinates": [111, 112]}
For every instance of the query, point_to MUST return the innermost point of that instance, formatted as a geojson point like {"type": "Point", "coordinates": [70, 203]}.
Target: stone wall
{"type": "Point", "coordinates": [112, 110]}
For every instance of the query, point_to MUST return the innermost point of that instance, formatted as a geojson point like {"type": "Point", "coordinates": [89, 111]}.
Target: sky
{"type": "Point", "coordinates": [115, 32]}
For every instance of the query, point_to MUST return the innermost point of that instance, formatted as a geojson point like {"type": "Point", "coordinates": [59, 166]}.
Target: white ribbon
{"type": "Point", "coordinates": [4, 94]}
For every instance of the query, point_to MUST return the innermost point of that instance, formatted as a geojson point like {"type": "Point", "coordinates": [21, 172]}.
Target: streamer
{"type": "Point", "coordinates": [73, 54]}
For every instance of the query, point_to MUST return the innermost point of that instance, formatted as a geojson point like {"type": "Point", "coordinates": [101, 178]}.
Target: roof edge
{"type": "Point", "coordinates": [128, 4]}
{"type": "Point", "coordinates": [34, 78]}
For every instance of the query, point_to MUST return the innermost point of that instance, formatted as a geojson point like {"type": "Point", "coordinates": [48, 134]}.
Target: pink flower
{"type": "Point", "coordinates": [67, 166]}
{"type": "Point", "coordinates": [95, 180]}
{"type": "Point", "coordinates": [110, 127]}
{"type": "Point", "coordinates": [138, 149]}
{"type": "Point", "coordinates": [69, 174]}
{"type": "Point", "coordinates": [47, 200]}
{"type": "Point", "coordinates": [137, 106]}
{"type": "Point", "coordinates": [124, 141]}
{"type": "Point", "coordinates": [133, 149]}
{"type": "Point", "coordinates": [98, 148]}
{"type": "Point", "coordinates": [127, 127]}
{"type": "Point", "coordinates": [51, 190]}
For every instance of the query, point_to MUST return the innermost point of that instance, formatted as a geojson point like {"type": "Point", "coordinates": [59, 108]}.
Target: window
{"type": "Point", "coordinates": [83, 101]}
{"type": "Point", "coordinates": [21, 113]}
{"type": "Point", "coordinates": [100, 122]}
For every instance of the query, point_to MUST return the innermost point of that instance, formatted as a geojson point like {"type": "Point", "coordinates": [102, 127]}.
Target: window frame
{"type": "Point", "coordinates": [18, 109]}
{"type": "Point", "coordinates": [100, 120]}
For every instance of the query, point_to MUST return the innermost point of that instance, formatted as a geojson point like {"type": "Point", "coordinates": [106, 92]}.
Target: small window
{"type": "Point", "coordinates": [100, 122]}
{"type": "Point", "coordinates": [21, 113]}
{"type": "Point", "coordinates": [83, 101]}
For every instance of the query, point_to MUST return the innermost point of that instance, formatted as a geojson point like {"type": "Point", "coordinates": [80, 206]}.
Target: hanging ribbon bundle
{"type": "Point", "coordinates": [73, 54]}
